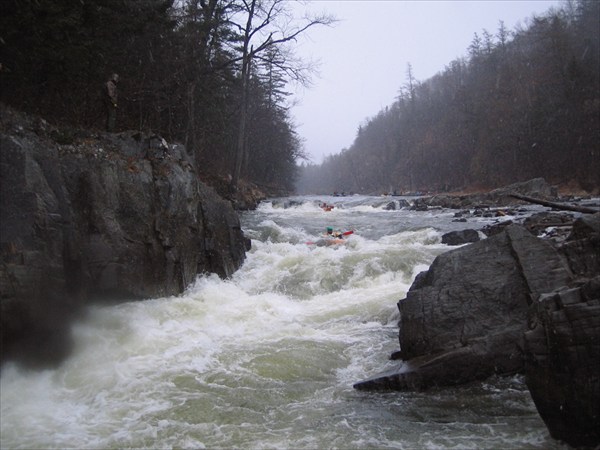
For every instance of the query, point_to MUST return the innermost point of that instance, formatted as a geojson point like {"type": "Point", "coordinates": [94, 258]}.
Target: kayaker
{"type": "Point", "coordinates": [334, 234]}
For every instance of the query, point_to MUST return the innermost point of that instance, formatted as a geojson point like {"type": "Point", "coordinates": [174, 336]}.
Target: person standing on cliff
{"type": "Point", "coordinates": [110, 101]}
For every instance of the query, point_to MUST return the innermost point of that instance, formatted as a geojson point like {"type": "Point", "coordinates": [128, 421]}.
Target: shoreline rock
{"type": "Point", "coordinates": [460, 237]}
{"type": "Point", "coordinates": [497, 198]}
{"type": "Point", "coordinates": [98, 217]}
{"type": "Point", "coordinates": [512, 303]}
{"type": "Point", "coordinates": [562, 352]}
{"type": "Point", "coordinates": [463, 319]}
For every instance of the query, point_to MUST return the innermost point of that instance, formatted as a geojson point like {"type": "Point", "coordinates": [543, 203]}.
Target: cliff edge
{"type": "Point", "coordinates": [97, 217]}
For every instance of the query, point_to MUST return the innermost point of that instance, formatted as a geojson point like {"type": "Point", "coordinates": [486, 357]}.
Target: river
{"type": "Point", "coordinates": [267, 359]}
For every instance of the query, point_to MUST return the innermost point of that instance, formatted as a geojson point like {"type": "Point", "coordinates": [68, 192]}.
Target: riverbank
{"type": "Point", "coordinates": [267, 358]}
{"type": "Point", "coordinates": [524, 300]}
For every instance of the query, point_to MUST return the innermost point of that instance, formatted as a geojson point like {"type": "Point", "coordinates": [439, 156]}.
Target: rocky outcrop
{"type": "Point", "coordinates": [464, 318]}
{"type": "Point", "coordinates": [89, 217]}
{"type": "Point", "coordinates": [511, 303]}
{"type": "Point", "coordinates": [460, 237]}
{"type": "Point", "coordinates": [246, 197]}
{"type": "Point", "coordinates": [582, 247]}
{"type": "Point", "coordinates": [562, 344]}
{"type": "Point", "coordinates": [536, 187]}
{"type": "Point", "coordinates": [562, 347]}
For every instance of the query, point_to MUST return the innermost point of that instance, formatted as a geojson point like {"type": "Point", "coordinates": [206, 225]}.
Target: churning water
{"type": "Point", "coordinates": [267, 359]}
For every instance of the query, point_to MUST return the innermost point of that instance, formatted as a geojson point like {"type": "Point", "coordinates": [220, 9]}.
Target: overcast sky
{"type": "Point", "coordinates": [364, 56]}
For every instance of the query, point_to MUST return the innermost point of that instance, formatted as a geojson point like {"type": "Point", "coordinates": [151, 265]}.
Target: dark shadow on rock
{"type": "Point", "coordinates": [510, 303]}
{"type": "Point", "coordinates": [460, 237]}
{"type": "Point", "coordinates": [104, 217]}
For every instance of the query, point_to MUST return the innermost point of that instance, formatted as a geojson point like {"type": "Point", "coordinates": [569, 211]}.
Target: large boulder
{"type": "Point", "coordinates": [562, 344]}
{"type": "Point", "coordinates": [511, 303]}
{"type": "Point", "coordinates": [537, 187]}
{"type": "Point", "coordinates": [98, 217]}
{"type": "Point", "coordinates": [582, 247]}
{"type": "Point", "coordinates": [460, 237]}
{"type": "Point", "coordinates": [464, 318]}
{"type": "Point", "coordinates": [562, 347]}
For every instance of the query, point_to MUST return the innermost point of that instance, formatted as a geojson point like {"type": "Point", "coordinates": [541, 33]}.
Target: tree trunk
{"type": "Point", "coordinates": [241, 138]}
{"type": "Point", "coordinates": [581, 209]}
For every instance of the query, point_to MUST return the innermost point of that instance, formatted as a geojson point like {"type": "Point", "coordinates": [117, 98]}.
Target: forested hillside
{"type": "Point", "coordinates": [524, 103]}
{"type": "Point", "coordinates": [208, 73]}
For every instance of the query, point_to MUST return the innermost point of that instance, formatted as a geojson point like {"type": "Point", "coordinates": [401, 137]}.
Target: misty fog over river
{"type": "Point", "coordinates": [267, 358]}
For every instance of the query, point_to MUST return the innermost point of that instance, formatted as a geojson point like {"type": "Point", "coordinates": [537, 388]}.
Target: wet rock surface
{"type": "Point", "coordinates": [562, 350]}
{"type": "Point", "coordinates": [460, 237]}
{"type": "Point", "coordinates": [96, 217]}
{"type": "Point", "coordinates": [511, 303]}
{"type": "Point", "coordinates": [501, 197]}
{"type": "Point", "coordinates": [464, 318]}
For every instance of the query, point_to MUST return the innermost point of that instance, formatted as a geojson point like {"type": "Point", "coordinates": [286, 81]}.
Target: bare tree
{"type": "Point", "coordinates": [268, 25]}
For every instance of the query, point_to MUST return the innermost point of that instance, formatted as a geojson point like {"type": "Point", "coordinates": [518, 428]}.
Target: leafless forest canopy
{"type": "Point", "coordinates": [525, 103]}
{"type": "Point", "coordinates": [213, 75]}
{"type": "Point", "coordinates": [209, 73]}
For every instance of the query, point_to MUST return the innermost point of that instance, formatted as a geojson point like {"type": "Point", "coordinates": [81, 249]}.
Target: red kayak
{"type": "Point", "coordinates": [331, 240]}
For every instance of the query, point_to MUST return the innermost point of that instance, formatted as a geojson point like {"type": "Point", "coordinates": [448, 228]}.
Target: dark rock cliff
{"type": "Point", "coordinates": [562, 344]}
{"type": "Point", "coordinates": [512, 303]}
{"type": "Point", "coordinates": [98, 217]}
{"type": "Point", "coordinates": [464, 318]}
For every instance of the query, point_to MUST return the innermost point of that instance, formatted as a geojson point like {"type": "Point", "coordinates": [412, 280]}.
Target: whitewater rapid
{"type": "Point", "coordinates": [267, 358]}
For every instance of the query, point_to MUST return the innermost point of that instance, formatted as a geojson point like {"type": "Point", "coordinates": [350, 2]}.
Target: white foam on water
{"type": "Point", "coordinates": [266, 359]}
